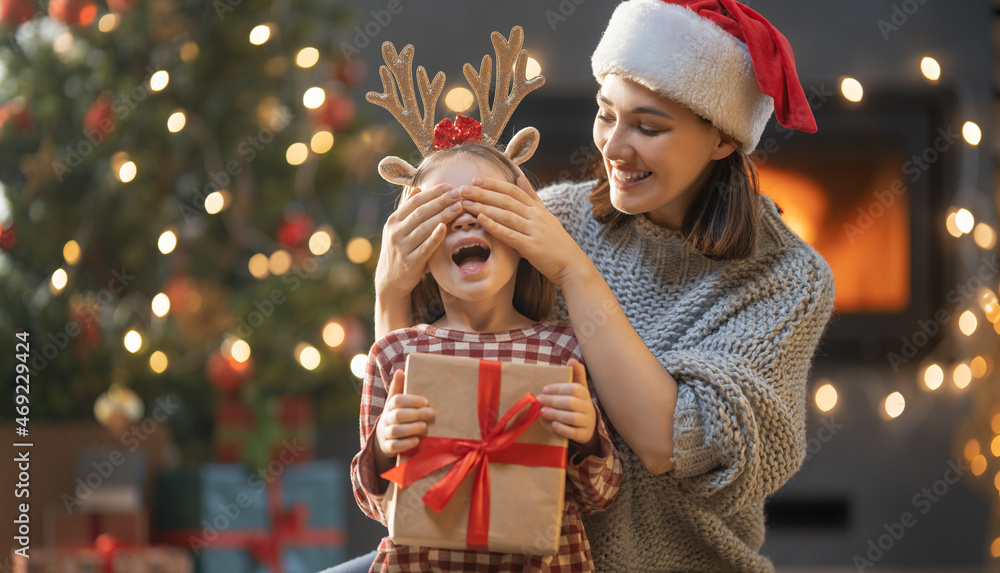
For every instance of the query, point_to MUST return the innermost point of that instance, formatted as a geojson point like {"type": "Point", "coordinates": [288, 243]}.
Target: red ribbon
{"type": "Point", "coordinates": [463, 130]}
{"type": "Point", "coordinates": [497, 446]}
{"type": "Point", "coordinates": [288, 528]}
{"type": "Point", "coordinates": [773, 61]}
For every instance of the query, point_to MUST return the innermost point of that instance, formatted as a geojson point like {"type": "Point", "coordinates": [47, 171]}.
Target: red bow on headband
{"type": "Point", "coordinates": [464, 130]}
{"type": "Point", "coordinates": [773, 62]}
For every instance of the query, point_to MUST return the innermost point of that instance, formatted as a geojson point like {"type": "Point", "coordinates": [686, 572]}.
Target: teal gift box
{"type": "Point", "coordinates": [280, 519]}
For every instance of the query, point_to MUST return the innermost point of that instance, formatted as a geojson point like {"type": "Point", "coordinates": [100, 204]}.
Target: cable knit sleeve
{"type": "Point", "coordinates": [739, 425]}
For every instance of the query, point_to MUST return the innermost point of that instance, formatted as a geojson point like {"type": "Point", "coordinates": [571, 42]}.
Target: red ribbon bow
{"type": "Point", "coordinates": [773, 61]}
{"type": "Point", "coordinates": [463, 130]}
{"type": "Point", "coordinates": [497, 446]}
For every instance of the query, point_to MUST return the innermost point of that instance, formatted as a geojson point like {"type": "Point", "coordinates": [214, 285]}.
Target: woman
{"type": "Point", "coordinates": [697, 310]}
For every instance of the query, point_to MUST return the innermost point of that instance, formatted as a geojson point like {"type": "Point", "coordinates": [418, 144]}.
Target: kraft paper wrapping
{"type": "Point", "coordinates": [526, 503]}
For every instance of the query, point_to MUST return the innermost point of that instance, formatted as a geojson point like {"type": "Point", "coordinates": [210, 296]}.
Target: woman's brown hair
{"type": "Point", "coordinates": [534, 294]}
{"type": "Point", "coordinates": [724, 218]}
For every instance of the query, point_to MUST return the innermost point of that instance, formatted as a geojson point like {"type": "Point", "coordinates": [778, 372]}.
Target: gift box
{"type": "Point", "coordinates": [112, 479]}
{"type": "Point", "coordinates": [109, 560]}
{"type": "Point", "coordinates": [82, 529]}
{"type": "Point", "coordinates": [282, 519]}
{"type": "Point", "coordinates": [243, 435]}
{"type": "Point", "coordinates": [488, 475]}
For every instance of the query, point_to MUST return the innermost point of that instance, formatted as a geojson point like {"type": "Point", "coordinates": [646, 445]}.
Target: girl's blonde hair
{"type": "Point", "coordinates": [534, 294]}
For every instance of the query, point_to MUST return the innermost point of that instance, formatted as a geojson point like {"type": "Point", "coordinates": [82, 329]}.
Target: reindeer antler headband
{"type": "Point", "coordinates": [430, 137]}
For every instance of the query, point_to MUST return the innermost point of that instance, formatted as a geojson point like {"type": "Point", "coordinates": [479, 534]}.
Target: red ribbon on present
{"type": "Point", "coordinates": [288, 528]}
{"type": "Point", "coordinates": [497, 446]}
{"type": "Point", "coordinates": [464, 130]}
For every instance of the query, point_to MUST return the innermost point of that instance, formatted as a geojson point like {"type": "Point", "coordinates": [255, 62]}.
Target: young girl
{"type": "Point", "coordinates": [481, 300]}
{"type": "Point", "coordinates": [697, 309]}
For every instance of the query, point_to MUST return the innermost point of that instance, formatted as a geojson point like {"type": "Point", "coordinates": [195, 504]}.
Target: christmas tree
{"type": "Point", "coordinates": [186, 216]}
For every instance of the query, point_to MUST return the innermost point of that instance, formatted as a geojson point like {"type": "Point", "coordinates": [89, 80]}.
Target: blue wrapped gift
{"type": "Point", "coordinates": [280, 519]}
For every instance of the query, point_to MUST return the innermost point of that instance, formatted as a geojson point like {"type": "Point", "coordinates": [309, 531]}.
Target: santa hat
{"type": "Point", "coordinates": [719, 58]}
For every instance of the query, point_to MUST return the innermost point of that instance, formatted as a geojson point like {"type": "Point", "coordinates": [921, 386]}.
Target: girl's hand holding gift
{"type": "Point", "coordinates": [404, 419]}
{"type": "Point", "coordinates": [571, 411]}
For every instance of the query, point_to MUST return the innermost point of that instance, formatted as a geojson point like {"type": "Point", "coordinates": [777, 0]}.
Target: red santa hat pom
{"type": "Point", "coordinates": [717, 57]}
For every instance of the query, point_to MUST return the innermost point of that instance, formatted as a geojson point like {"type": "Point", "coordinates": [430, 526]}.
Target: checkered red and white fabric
{"type": "Point", "coordinates": [592, 483]}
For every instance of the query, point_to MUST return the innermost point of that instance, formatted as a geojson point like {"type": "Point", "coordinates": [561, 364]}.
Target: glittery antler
{"type": "Point", "coordinates": [510, 90]}
{"type": "Point", "coordinates": [398, 71]}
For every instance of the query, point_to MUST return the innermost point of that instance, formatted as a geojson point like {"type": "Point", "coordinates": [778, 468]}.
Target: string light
{"type": "Point", "coordinates": [930, 68]}
{"type": "Point", "coordinates": [107, 23]}
{"type": "Point", "coordinates": [59, 279]}
{"type": "Point", "coordinates": [133, 341]}
{"type": "Point", "coordinates": [71, 252]}
{"type": "Point", "coordinates": [62, 43]}
{"type": "Point", "coordinates": [826, 397]}
{"type": "Point", "coordinates": [964, 220]}
{"type": "Point", "coordinates": [297, 154]}
{"type": "Point", "coordinates": [933, 377]}
{"type": "Point", "coordinates": [532, 69]}
{"type": "Point", "coordinates": [971, 132]}
{"type": "Point", "coordinates": [313, 98]}
{"type": "Point", "coordinates": [984, 236]}
{"type": "Point", "coordinates": [988, 302]}
{"type": "Point", "coordinates": [321, 142]}
{"type": "Point", "coordinates": [995, 547]}
{"type": "Point", "coordinates": [159, 80]}
{"type": "Point", "coordinates": [279, 262]}
{"type": "Point", "coordinates": [962, 375]}
{"type": "Point", "coordinates": [894, 404]}
{"type": "Point", "coordinates": [240, 351]}
{"type": "Point", "coordinates": [189, 51]}
{"type": "Point", "coordinates": [359, 365]}
{"type": "Point", "coordinates": [215, 202]}
{"type": "Point", "coordinates": [852, 90]}
{"type": "Point", "coordinates": [978, 465]}
{"type": "Point", "coordinates": [971, 449]}
{"type": "Point", "coordinates": [334, 334]}
{"type": "Point", "coordinates": [127, 172]}
{"type": "Point", "coordinates": [161, 305]}
{"type": "Point", "coordinates": [167, 242]}
{"type": "Point", "coordinates": [979, 367]}
{"type": "Point", "coordinates": [967, 323]}
{"type": "Point", "coordinates": [952, 225]}
{"type": "Point", "coordinates": [176, 121]}
{"type": "Point", "coordinates": [307, 57]}
{"type": "Point", "coordinates": [258, 266]}
{"type": "Point", "coordinates": [320, 242]}
{"type": "Point", "coordinates": [260, 34]}
{"type": "Point", "coordinates": [359, 250]}
{"type": "Point", "coordinates": [158, 362]}
{"type": "Point", "coordinates": [308, 356]}
{"type": "Point", "coordinates": [459, 99]}
{"type": "Point", "coordinates": [994, 446]}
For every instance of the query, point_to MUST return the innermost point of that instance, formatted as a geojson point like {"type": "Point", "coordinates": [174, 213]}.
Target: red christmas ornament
{"type": "Point", "coordinates": [295, 230]}
{"type": "Point", "coordinates": [73, 12]}
{"type": "Point", "coordinates": [351, 72]}
{"type": "Point", "coordinates": [16, 12]}
{"type": "Point", "coordinates": [122, 6]}
{"type": "Point", "coordinates": [8, 238]}
{"type": "Point", "coordinates": [85, 316]}
{"type": "Point", "coordinates": [337, 113]}
{"type": "Point", "coordinates": [16, 113]}
{"type": "Point", "coordinates": [99, 116]}
{"type": "Point", "coordinates": [226, 374]}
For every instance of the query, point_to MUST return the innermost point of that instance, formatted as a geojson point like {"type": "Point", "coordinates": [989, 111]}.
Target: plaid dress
{"type": "Point", "coordinates": [592, 482]}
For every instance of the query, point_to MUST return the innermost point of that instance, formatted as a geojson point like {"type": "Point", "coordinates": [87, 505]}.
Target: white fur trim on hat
{"type": "Point", "coordinates": [673, 51]}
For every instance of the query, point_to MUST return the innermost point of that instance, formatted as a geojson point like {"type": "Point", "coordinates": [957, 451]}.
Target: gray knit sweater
{"type": "Point", "coordinates": [739, 337]}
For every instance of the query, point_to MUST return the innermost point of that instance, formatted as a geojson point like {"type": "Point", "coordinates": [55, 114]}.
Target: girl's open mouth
{"type": "Point", "coordinates": [471, 256]}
